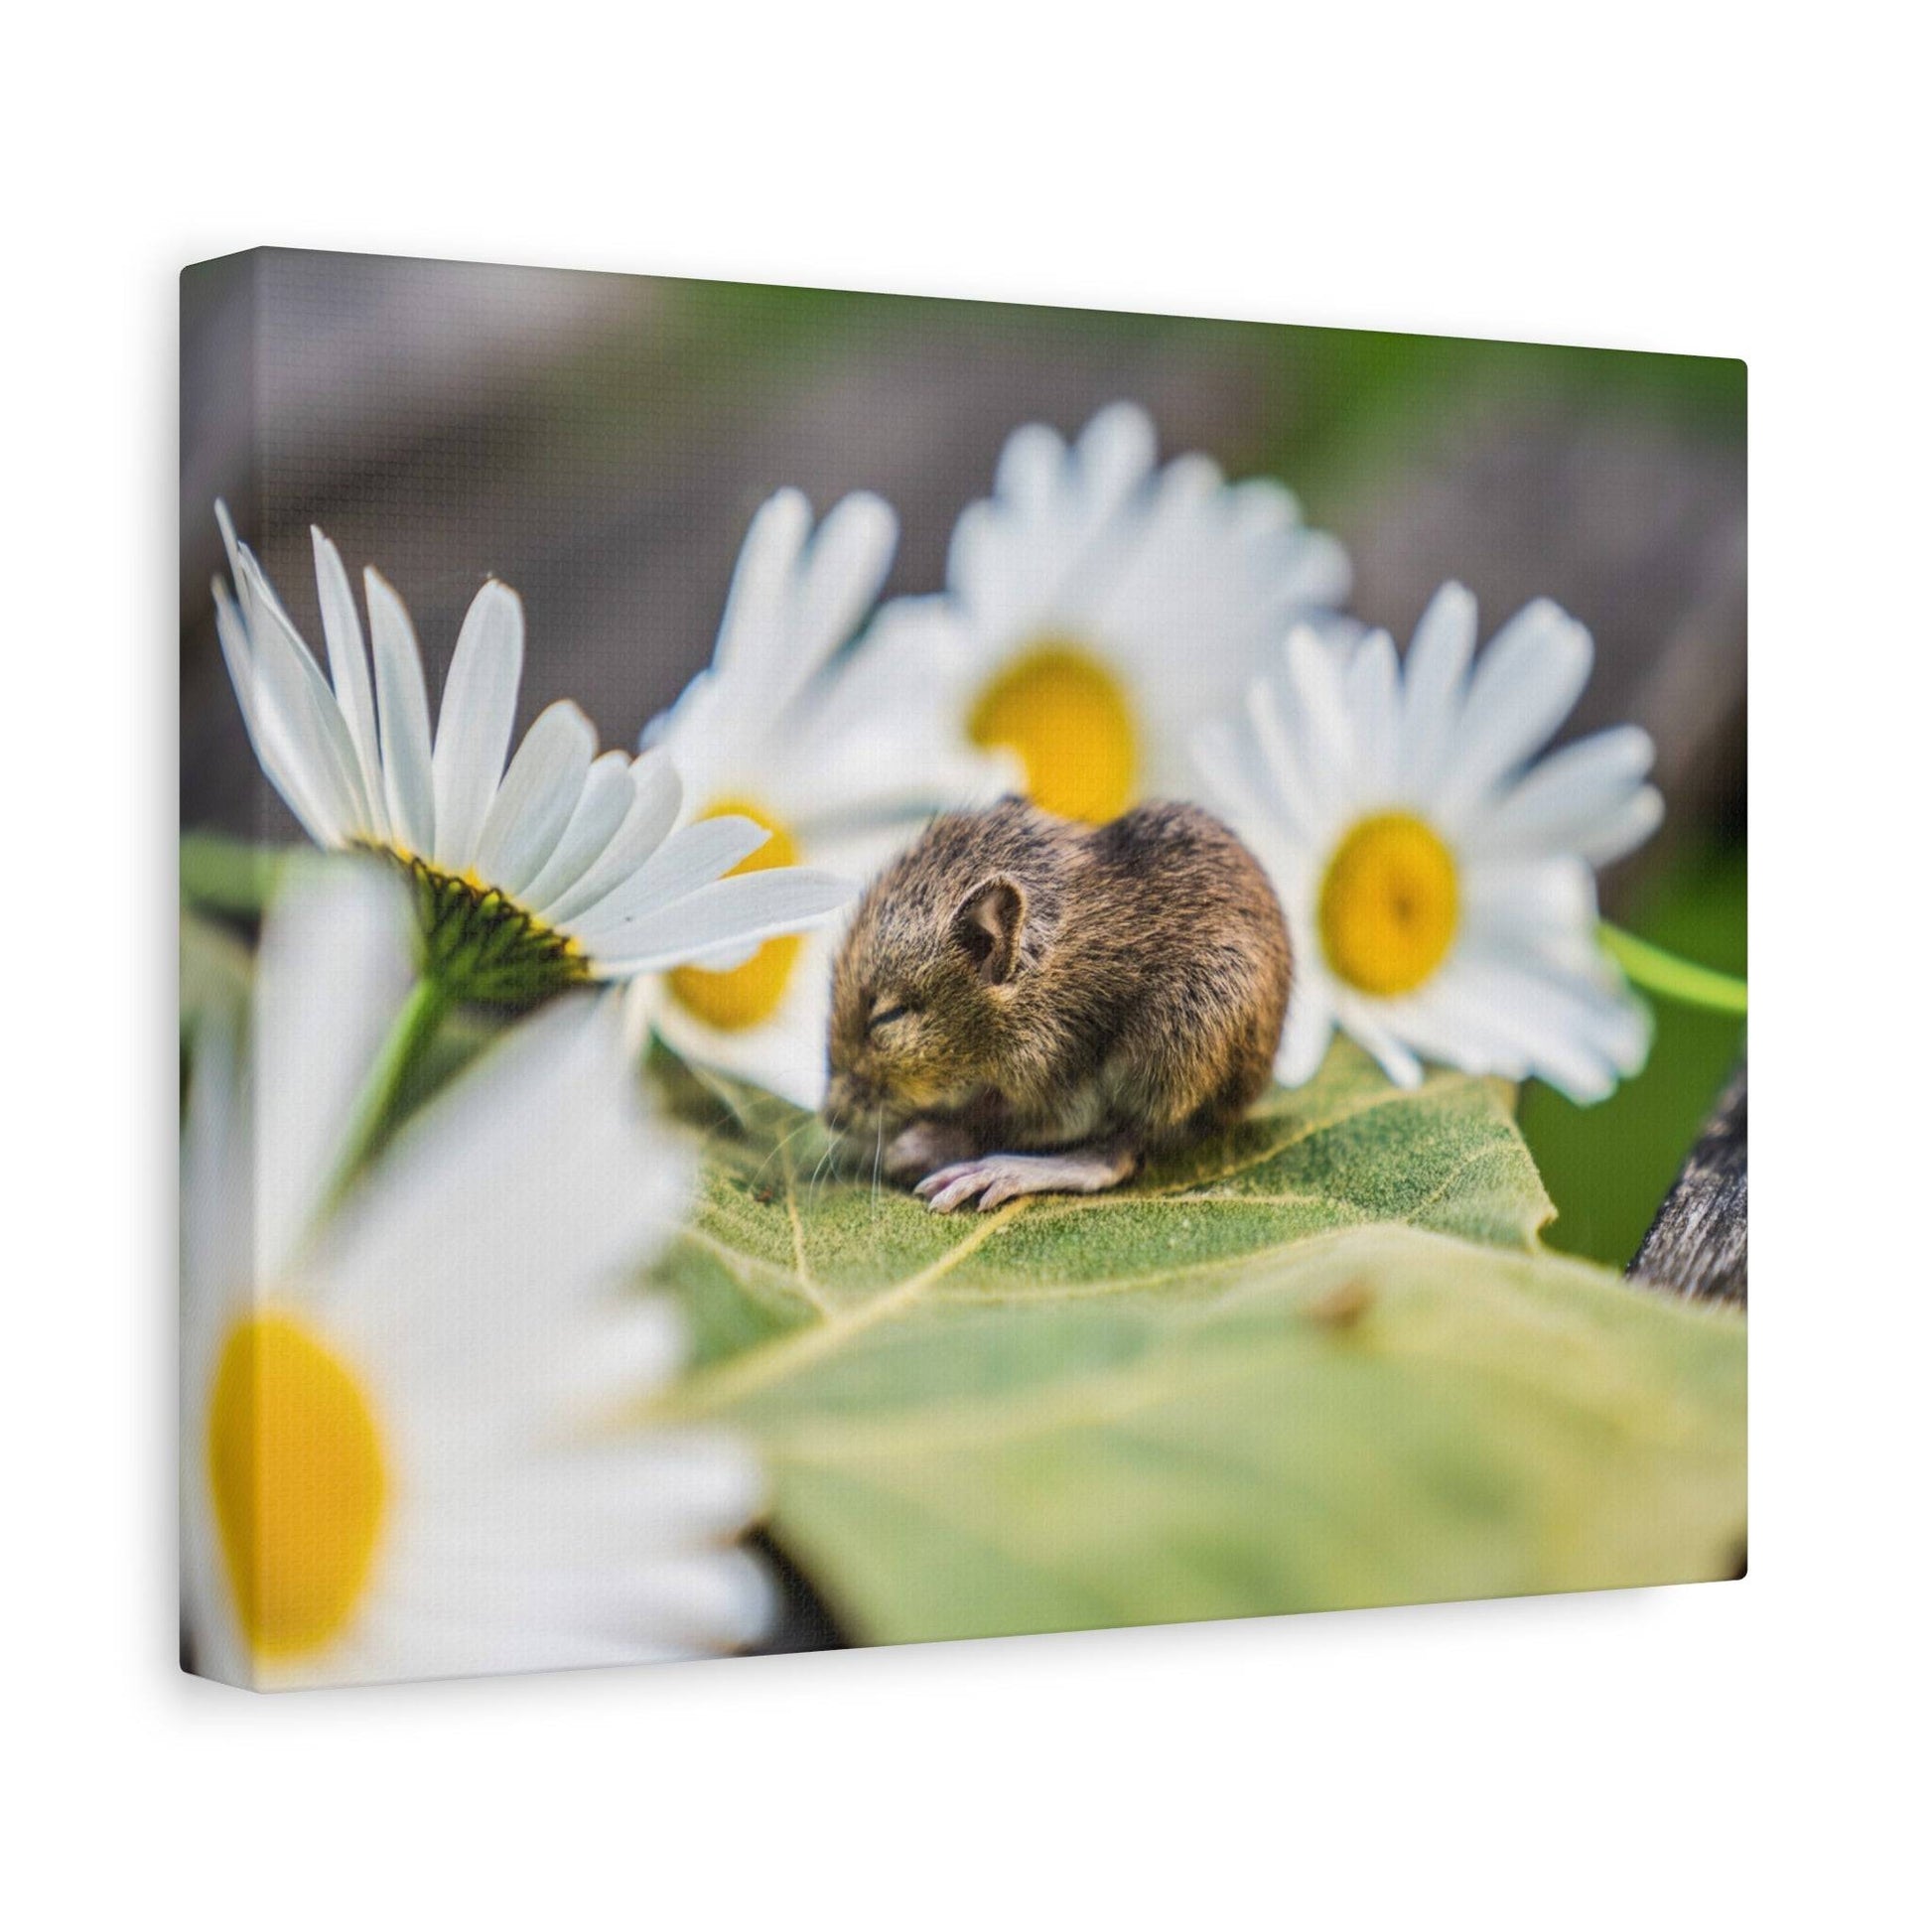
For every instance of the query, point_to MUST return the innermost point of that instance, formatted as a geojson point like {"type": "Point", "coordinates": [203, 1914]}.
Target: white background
{"type": "Point", "coordinates": [1673, 178]}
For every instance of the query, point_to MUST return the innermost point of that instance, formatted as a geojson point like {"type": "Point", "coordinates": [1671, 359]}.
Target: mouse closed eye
{"type": "Point", "coordinates": [1030, 1005]}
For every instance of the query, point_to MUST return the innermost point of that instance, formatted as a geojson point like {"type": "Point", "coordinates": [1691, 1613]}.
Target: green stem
{"type": "Point", "coordinates": [392, 1077]}
{"type": "Point", "coordinates": [1671, 978]}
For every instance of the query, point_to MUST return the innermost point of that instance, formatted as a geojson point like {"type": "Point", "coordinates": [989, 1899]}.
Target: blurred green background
{"type": "Point", "coordinates": [600, 441]}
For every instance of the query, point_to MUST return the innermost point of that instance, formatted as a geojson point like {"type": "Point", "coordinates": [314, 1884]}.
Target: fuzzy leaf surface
{"type": "Point", "coordinates": [1318, 1363]}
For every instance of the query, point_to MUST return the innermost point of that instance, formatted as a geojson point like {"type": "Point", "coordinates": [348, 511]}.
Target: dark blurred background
{"type": "Point", "coordinates": [600, 442]}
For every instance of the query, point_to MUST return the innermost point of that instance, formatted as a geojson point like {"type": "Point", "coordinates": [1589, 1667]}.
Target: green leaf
{"type": "Point", "coordinates": [230, 878]}
{"type": "Point", "coordinates": [1320, 1363]}
{"type": "Point", "coordinates": [215, 970]}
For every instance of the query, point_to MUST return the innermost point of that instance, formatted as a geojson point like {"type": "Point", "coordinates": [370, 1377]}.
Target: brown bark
{"type": "Point", "coordinates": [1697, 1246]}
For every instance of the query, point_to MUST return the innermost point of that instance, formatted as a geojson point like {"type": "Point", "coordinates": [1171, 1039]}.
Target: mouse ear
{"type": "Point", "coordinates": [987, 929]}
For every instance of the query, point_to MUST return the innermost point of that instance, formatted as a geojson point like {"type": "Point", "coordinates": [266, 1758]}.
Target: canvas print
{"type": "Point", "coordinates": [858, 970]}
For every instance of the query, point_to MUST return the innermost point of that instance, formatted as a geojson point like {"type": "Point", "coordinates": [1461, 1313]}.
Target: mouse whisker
{"type": "Point", "coordinates": [780, 1145]}
{"type": "Point", "coordinates": [818, 1170]}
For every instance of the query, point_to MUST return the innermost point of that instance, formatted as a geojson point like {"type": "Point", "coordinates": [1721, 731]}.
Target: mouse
{"type": "Point", "coordinates": [1024, 1004]}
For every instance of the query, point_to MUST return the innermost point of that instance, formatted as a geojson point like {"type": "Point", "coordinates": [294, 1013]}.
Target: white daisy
{"type": "Point", "coordinates": [1097, 611]}
{"type": "Point", "coordinates": [1437, 884]}
{"type": "Point", "coordinates": [837, 757]}
{"type": "Point", "coordinates": [399, 1455]}
{"type": "Point", "coordinates": [564, 866]}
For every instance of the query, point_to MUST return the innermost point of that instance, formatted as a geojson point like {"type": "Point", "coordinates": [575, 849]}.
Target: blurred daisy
{"type": "Point", "coordinates": [1438, 885]}
{"type": "Point", "coordinates": [837, 759]}
{"type": "Point", "coordinates": [563, 867]}
{"type": "Point", "coordinates": [1097, 611]}
{"type": "Point", "coordinates": [398, 1457]}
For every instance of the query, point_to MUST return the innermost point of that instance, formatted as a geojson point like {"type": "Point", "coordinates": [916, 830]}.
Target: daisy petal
{"type": "Point", "coordinates": [214, 1162]}
{"type": "Point", "coordinates": [308, 733]}
{"type": "Point", "coordinates": [1028, 467]}
{"type": "Point", "coordinates": [1577, 794]}
{"type": "Point", "coordinates": [262, 723]}
{"type": "Point", "coordinates": [463, 1199]}
{"type": "Point", "coordinates": [1116, 452]}
{"type": "Point", "coordinates": [1545, 906]}
{"type": "Point", "coordinates": [348, 668]}
{"type": "Point", "coordinates": [473, 728]}
{"type": "Point", "coordinates": [660, 795]}
{"type": "Point", "coordinates": [1623, 830]}
{"type": "Point", "coordinates": [754, 627]}
{"type": "Point", "coordinates": [1305, 1039]}
{"type": "Point", "coordinates": [1527, 683]}
{"type": "Point", "coordinates": [538, 794]}
{"type": "Point", "coordinates": [691, 1597]}
{"type": "Point", "coordinates": [1578, 1035]}
{"type": "Point", "coordinates": [1370, 1031]}
{"type": "Point", "coordinates": [1234, 772]}
{"type": "Point", "coordinates": [752, 906]}
{"type": "Point", "coordinates": [786, 1054]}
{"type": "Point", "coordinates": [654, 798]}
{"type": "Point", "coordinates": [1279, 758]}
{"type": "Point", "coordinates": [402, 704]}
{"type": "Point", "coordinates": [1319, 732]}
{"type": "Point", "coordinates": [1452, 1024]}
{"type": "Point", "coordinates": [336, 962]}
{"type": "Point", "coordinates": [690, 858]}
{"type": "Point", "coordinates": [846, 566]}
{"type": "Point", "coordinates": [1373, 695]}
{"type": "Point", "coordinates": [607, 799]}
{"type": "Point", "coordinates": [292, 697]}
{"type": "Point", "coordinates": [1433, 685]}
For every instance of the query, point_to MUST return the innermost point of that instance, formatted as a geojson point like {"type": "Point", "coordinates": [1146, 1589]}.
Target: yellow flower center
{"type": "Point", "coordinates": [746, 995]}
{"type": "Point", "coordinates": [1068, 719]}
{"type": "Point", "coordinates": [1389, 904]}
{"type": "Point", "coordinates": [295, 1467]}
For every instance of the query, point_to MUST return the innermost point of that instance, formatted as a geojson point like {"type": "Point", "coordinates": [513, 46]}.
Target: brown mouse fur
{"type": "Point", "coordinates": [1016, 982]}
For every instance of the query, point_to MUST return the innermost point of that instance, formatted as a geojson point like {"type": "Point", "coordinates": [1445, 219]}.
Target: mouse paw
{"type": "Point", "coordinates": [999, 1178]}
{"type": "Point", "coordinates": [926, 1145]}
{"type": "Point", "coordinates": [948, 1187]}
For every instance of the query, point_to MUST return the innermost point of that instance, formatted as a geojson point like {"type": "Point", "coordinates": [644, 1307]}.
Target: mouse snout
{"type": "Point", "coordinates": [848, 1101]}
